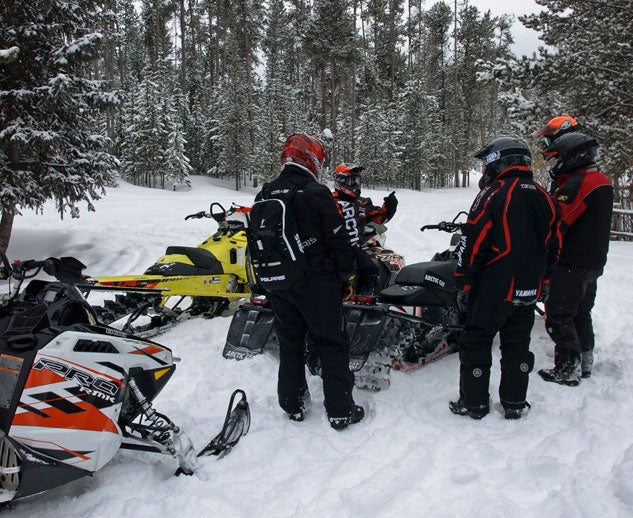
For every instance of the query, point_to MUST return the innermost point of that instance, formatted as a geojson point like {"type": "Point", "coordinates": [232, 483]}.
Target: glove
{"type": "Point", "coordinates": [462, 300]}
{"type": "Point", "coordinates": [544, 294]}
{"type": "Point", "coordinates": [391, 204]}
{"type": "Point", "coordinates": [347, 288]}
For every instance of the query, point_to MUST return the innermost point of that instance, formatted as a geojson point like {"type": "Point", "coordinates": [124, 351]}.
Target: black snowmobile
{"type": "Point", "coordinates": [73, 391]}
{"type": "Point", "coordinates": [412, 321]}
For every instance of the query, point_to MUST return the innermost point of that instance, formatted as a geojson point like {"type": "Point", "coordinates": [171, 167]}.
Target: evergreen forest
{"type": "Point", "coordinates": [154, 91]}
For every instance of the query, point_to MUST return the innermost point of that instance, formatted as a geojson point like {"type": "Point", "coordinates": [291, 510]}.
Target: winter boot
{"type": "Point", "coordinates": [297, 416]}
{"type": "Point", "coordinates": [566, 374]}
{"type": "Point", "coordinates": [458, 407]}
{"type": "Point", "coordinates": [516, 413]}
{"type": "Point", "coordinates": [306, 401]}
{"type": "Point", "coordinates": [339, 423]}
{"type": "Point", "coordinates": [586, 362]}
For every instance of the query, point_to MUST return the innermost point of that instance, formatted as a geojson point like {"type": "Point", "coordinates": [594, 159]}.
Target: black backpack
{"type": "Point", "coordinates": [274, 244]}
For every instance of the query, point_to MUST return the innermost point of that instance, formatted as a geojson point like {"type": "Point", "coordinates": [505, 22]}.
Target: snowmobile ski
{"type": "Point", "coordinates": [236, 424]}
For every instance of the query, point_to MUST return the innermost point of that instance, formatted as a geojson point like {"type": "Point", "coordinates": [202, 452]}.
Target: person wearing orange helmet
{"type": "Point", "coordinates": [357, 211]}
{"type": "Point", "coordinates": [555, 128]}
{"type": "Point", "coordinates": [585, 197]}
{"type": "Point", "coordinates": [314, 305]}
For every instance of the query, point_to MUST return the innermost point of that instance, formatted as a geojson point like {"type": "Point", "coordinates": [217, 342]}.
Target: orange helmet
{"type": "Point", "coordinates": [556, 127]}
{"type": "Point", "coordinates": [306, 151]}
{"type": "Point", "coordinates": [347, 179]}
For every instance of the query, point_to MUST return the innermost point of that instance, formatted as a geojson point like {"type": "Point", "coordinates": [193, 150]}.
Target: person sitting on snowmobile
{"type": "Point", "coordinates": [356, 211]}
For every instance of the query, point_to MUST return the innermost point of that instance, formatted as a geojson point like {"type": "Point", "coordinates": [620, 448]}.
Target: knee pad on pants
{"type": "Point", "coordinates": [517, 362]}
{"type": "Point", "coordinates": [562, 333]}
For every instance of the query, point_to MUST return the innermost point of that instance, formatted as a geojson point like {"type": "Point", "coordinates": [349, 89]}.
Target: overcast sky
{"type": "Point", "coordinates": [525, 40]}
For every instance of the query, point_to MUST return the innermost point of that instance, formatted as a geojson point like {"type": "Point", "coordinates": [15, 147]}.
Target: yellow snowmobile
{"type": "Point", "coordinates": [207, 277]}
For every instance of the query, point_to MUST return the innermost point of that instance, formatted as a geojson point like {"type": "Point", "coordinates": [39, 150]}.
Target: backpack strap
{"type": "Point", "coordinates": [297, 187]}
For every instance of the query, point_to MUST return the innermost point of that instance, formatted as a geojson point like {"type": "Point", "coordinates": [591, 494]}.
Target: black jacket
{"type": "Point", "coordinates": [321, 227]}
{"type": "Point", "coordinates": [510, 243]}
{"type": "Point", "coordinates": [585, 198]}
{"type": "Point", "coordinates": [357, 212]}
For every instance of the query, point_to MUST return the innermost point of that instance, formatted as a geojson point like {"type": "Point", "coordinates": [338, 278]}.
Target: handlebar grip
{"type": "Point", "coordinates": [428, 227]}
{"type": "Point", "coordinates": [197, 215]}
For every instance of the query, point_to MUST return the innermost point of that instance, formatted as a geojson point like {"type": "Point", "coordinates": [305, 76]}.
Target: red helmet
{"type": "Point", "coordinates": [306, 151]}
{"type": "Point", "coordinates": [556, 128]}
{"type": "Point", "coordinates": [347, 179]}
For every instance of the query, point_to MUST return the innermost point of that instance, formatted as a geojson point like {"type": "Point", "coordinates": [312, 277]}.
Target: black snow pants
{"type": "Point", "coordinates": [314, 308]}
{"type": "Point", "coordinates": [486, 317]}
{"type": "Point", "coordinates": [568, 312]}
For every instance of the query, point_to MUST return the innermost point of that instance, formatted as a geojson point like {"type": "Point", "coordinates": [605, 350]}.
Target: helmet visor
{"type": "Point", "coordinates": [353, 182]}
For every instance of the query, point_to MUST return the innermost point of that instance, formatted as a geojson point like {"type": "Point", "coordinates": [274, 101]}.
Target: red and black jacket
{"type": "Point", "coordinates": [585, 198]}
{"type": "Point", "coordinates": [357, 212]}
{"type": "Point", "coordinates": [510, 242]}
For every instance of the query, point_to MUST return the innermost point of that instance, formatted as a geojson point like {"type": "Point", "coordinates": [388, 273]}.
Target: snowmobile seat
{"type": "Point", "coordinates": [431, 273]}
{"type": "Point", "coordinates": [423, 284]}
{"type": "Point", "coordinates": [398, 295]}
{"type": "Point", "coordinates": [200, 257]}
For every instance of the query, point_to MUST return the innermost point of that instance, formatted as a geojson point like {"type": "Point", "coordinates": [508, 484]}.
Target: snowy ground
{"type": "Point", "coordinates": [572, 455]}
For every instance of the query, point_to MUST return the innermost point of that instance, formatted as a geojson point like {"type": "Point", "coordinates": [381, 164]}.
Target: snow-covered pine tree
{"type": "Point", "coordinates": [51, 143]}
{"type": "Point", "coordinates": [177, 161]}
{"type": "Point", "coordinates": [278, 91]}
{"type": "Point", "coordinates": [587, 71]}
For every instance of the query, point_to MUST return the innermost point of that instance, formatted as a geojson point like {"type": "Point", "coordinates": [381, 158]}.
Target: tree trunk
{"type": "Point", "coordinates": [183, 49]}
{"type": "Point", "coordinates": [6, 225]}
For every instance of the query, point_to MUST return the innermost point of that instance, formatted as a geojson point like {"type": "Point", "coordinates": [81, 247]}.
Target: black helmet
{"type": "Point", "coordinates": [500, 154]}
{"type": "Point", "coordinates": [572, 151]}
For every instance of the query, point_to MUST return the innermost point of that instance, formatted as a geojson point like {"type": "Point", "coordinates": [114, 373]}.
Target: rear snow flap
{"type": "Point", "coordinates": [364, 327]}
{"type": "Point", "coordinates": [250, 331]}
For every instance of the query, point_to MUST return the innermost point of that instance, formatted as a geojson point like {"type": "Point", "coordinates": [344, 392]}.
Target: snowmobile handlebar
{"type": "Point", "coordinates": [218, 215]}
{"type": "Point", "coordinates": [445, 226]}
{"type": "Point", "coordinates": [64, 269]}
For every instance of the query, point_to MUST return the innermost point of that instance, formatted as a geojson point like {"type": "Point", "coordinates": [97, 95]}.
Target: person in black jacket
{"type": "Point", "coordinates": [508, 249]}
{"type": "Point", "coordinates": [585, 197]}
{"type": "Point", "coordinates": [357, 211]}
{"type": "Point", "coordinates": [314, 307]}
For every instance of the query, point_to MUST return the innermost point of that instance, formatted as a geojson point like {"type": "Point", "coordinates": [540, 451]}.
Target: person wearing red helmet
{"type": "Point", "coordinates": [356, 211]}
{"type": "Point", "coordinates": [314, 306]}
